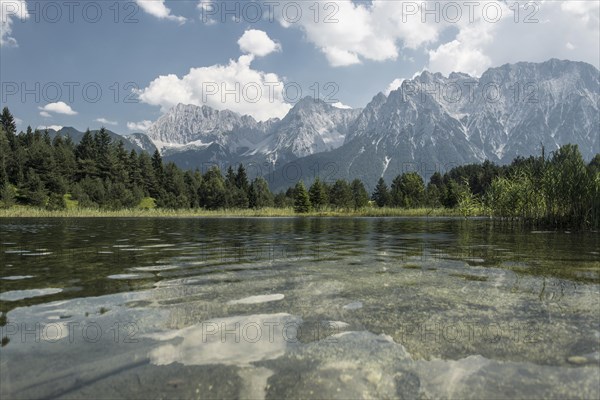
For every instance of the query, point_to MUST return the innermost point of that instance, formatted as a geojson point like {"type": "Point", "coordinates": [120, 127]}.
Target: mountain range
{"type": "Point", "coordinates": [430, 123]}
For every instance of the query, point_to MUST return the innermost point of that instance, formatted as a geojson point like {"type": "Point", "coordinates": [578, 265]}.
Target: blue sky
{"type": "Point", "coordinates": [189, 51]}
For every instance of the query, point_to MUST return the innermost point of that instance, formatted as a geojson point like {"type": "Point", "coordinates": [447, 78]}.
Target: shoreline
{"type": "Point", "coordinates": [29, 212]}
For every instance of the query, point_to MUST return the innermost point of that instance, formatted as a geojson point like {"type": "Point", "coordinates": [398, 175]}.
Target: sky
{"type": "Point", "coordinates": [122, 64]}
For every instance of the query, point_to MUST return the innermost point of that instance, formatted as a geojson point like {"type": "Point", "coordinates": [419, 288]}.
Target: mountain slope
{"type": "Point", "coordinates": [138, 142]}
{"type": "Point", "coordinates": [193, 136]}
{"type": "Point", "coordinates": [433, 123]}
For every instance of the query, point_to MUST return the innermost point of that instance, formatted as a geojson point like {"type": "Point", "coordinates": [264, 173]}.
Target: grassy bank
{"type": "Point", "coordinates": [31, 212]}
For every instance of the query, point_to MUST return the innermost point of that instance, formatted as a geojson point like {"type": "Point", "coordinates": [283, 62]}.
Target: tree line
{"type": "Point", "coordinates": [37, 170]}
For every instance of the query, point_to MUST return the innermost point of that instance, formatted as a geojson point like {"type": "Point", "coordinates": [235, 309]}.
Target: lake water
{"type": "Point", "coordinates": [297, 308]}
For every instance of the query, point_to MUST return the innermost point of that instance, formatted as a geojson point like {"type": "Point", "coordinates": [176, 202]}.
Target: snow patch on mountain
{"type": "Point", "coordinates": [311, 126]}
{"type": "Point", "coordinates": [433, 121]}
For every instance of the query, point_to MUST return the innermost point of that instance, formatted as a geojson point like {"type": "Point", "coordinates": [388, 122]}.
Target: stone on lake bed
{"type": "Point", "coordinates": [585, 359]}
{"type": "Point", "coordinates": [355, 305]}
{"type": "Point", "coordinates": [264, 298]}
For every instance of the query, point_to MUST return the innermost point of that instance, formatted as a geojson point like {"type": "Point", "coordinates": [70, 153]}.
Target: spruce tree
{"type": "Point", "coordinates": [396, 193]}
{"type": "Point", "coordinates": [241, 178]}
{"type": "Point", "coordinates": [212, 191]}
{"type": "Point", "coordinates": [176, 190]}
{"type": "Point", "coordinates": [235, 196]}
{"type": "Point", "coordinates": [7, 195]}
{"type": "Point", "coordinates": [35, 192]}
{"type": "Point", "coordinates": [301, 199]}
{"type": "Point", "coordinates": [106, 157]}
{"type": "Point", "coordinates": [157, 163]}
{"type": "Point", "coordinates": [381, 195]}
{"type": "Point", "coordinates": [133, 170]}
{"type": "Point", "coordinates": [86, 149]}
{"type": "Point", "coordinates": [318, 194]}
{"type": "Point", "coordinates": [193, 181]}
{"type": "Point", "coordinates": [5, 153]}
{"type": "Point", "coordinates": [56, 202]}
{"type": "Point", "coordinates": [86, 153]}
{"type": "Point", "coordinates": [360, 197]}
{"type": "Point", "coordinates": [340, 195]}
{"type": "Point", "coordinates": [7, 121]}
{"type": "Point", "coordinates": [414, 189]}
{"type": "Point", "coordinates": [259, 195]}
{"type": "Point", "coordinates": [230, 177]}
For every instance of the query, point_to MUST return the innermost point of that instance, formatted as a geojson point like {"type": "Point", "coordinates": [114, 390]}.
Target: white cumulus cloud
{"type": "Point", "coordinates": [45, 114]}
{"type": "Point", "coordinates": [457, 36]}
{"type": "Point", "coordinates": [158, 9]}
{"type": "Point", "coordinates": [258, 43]}
{"type": "Point", "coordinates": [347, 32]}
{"type": "Point", "coordinates": [395, 84]}
{"type": "Point", "coordinates": [106, 121]}
{"type": "Point", "coordinates": [235, 86]}
{"type": "Point", "coordinates": [534, 37]}
{"type": "Point", "coordinates": [57, 108]}
{"type": "Point", "coordinates": [141, 126]}
{"type": "Point", "coordinates": [11, 11]}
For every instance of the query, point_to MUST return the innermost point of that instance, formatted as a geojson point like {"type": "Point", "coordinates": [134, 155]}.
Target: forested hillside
{"type": "Point", "coordinates": [55, 173]}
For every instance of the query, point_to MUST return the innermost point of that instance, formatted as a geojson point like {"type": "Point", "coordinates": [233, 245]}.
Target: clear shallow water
{"type": "Point", "coordinates": [278, 308]}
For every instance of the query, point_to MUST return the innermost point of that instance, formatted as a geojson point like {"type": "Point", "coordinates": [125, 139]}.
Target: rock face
{"type": "Point", "coordinates": [310, 127]}
{"type": "Point", "coordinates": [431, 123]}
{"type": "Point", "coordinates": [193, 125]}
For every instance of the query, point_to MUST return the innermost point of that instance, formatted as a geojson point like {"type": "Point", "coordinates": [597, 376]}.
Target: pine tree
{"type": "Point", "coordinates": [212, 191]}
{"type": "Point", "coordinates": [360, 196]}
{"type": "Point", "coordinates": [318, 194]}
{"type": "Point", "coordinates": [56, 202]}
{"type": "Point", "coordinates": [259, 195]}
{"type": "Point", "coordinates": [451, 194]}
{"type": "Point", "coordinates": [46, 137]}
{"type": "Point", "coordinates": [16, 164]}
{"type": "Point", "coordinates": [121, 164]}
{"type": "Point", "coordinates": [408, 190]}
{"type": "Point", "coordinates": [86, 153]}
{"type": "Point", "coordinates": [105, 155]}
{"type": "Point", "coordinates": [28, 137]}
{"type": "Point", "coordinates": [235, 196]}
{"type": "Point", "coordinates": [340, 195]}
{"type": "Point", "coordinates": [41, 158]}
{"type": "Point", "coordinates": [280, 200]}
{"type": "Point", "coordinates": [594, 165]}
{"type": "Point", "coordinates": [396, 193]}
{"type": "Point", "coordinates": [176, 190]}
{"type": "Point", "coordinates": [8, 122]}
{"type": "Point", "coordinates": [133, 170]}
{"type": "Point", "coordinates": [241, 178]}
{"type": "Point", "coordinates": [8, 195]}
{"type": "Point", "coordinates": [437, 180]}
{"type": "Point", "coordinates": [86, 149]}
{"type": "Point", "coordinates": [230, 177]}
{"type": "Point", "coordinates": [157, 165]}
{"type": "Point", "coordinates": [301, 199]}
{"type": "Point", "coordinates": [433, 196]}
{"type": "Point", "coordinates": [35, 193]}
{"type": "Point", "coordinates": [148, 179]}
{"type": "Point", "coordinates": [193, 182]}
{"type": "Point", "coordinates": [381, 195]}
{"type": "Point", "coordinates": [5, 153]}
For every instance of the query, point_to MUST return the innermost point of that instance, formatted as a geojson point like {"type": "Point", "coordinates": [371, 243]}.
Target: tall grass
{"type": "Point", "coordinates": [560, 192]}
{"type": "Point", "coordinates": [31, 212]}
